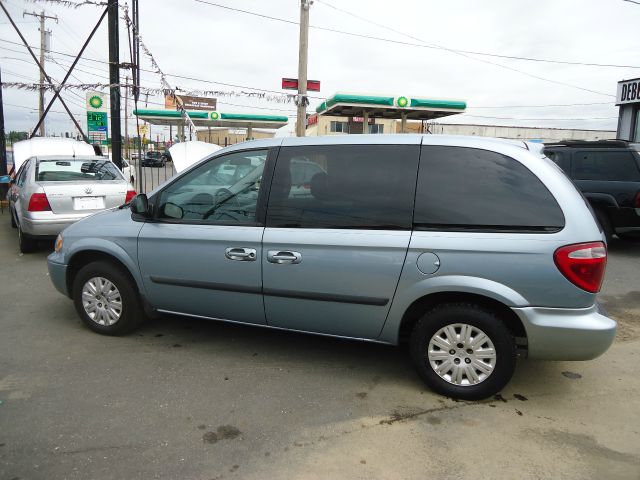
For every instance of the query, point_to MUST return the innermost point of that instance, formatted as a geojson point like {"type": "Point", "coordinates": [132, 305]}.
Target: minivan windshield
{"type": "Point", "coordinates": [76, 169]}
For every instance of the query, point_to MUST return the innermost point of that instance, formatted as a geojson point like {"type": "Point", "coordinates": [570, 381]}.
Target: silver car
{"type": "Point", "coordinates": [473, 251]}
{"type": "Point", "coordinates": [49, 193]}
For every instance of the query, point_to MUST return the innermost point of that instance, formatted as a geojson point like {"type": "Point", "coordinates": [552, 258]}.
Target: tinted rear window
{"type": "Point", "coordinates": [606, 165]}
{"type": "Point", "coordinates": [471, 189]}
{"type": "Point", "coordinates": [73, 169]}
{"type": "Point", "coordinates": [561, 159]}
{"type": "Point", "coordinates": [344, 186]}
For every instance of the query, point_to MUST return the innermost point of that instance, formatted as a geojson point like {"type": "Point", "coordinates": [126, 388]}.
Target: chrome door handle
{"type": "Point", "coordinates": [281, 257]}
{"type": "Point", "coordinates": [241, 254]}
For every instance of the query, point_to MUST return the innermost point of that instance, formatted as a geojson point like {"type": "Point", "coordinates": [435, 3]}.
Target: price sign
{"type": "Point", "coordinates": [97, 126]}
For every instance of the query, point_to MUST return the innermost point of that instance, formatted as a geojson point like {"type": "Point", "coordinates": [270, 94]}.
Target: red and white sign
{"type": "Point", "coordinates": [361, 120]}
{"type": "Point", "coordinates": [292, 84]}
{"type": "Point", "coordinates": [312, 120]}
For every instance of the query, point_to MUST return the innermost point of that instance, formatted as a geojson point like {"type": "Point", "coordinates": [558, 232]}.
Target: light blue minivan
{"type": "Point", "coordinates": [472, 250]}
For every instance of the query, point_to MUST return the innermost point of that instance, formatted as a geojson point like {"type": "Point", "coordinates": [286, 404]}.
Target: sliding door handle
{"type": "Point", "coordinates": [283, 257]}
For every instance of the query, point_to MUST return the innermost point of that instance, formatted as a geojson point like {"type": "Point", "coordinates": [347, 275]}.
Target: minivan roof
{"type": "Point", "coordinates": [373, 139]}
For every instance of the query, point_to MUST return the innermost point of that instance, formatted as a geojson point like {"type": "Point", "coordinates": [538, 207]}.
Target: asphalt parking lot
{"type": "Point", "coordinates": [191, 399]}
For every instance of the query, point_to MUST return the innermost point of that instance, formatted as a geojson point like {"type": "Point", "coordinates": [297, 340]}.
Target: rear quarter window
{"type": "Point", "coordinates": [471, 189]}
{"type": "Point", "coordinates": [620, 166]}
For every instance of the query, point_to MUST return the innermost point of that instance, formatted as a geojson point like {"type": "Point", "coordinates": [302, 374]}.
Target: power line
{"type": "Point", "coordinates": [184, 77]}
{"type": "Point", "coordinates": [472, 52]}
{"type": "Point", "coordinates": [459, 52]}
{"type": "Point", "coordinates": [545, 106]}
{"type": "Point", "coordinates": [439, 47]}
{"type": "Point", "coordinates": [291, 110]}
{"type": "Point", "coordinates": [550, 119]}
{"type": "Point", "coordinates": [462, 53]}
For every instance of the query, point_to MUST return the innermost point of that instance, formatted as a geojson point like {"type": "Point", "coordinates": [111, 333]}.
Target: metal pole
{"type": "Point", "coordinates": [303, 52]}
{"type": "Point", "coordinates": [3, 141]}
{"type": "Point", "coordinates": [365, 121]}
{"type": "Point", "coordinates": [114, 79]}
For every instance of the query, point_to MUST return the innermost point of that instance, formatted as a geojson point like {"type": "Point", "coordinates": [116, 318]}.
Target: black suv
{"type": "Point", "coordinates": [607, 172]}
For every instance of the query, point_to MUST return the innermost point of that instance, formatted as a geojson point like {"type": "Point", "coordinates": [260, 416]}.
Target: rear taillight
{"type": "Point", "coordinates": [637, 202]}
{"type": "Point", "coordinates": [130, 195]}
{"type": "Point", "coordinates": [39, 203]}
{"type": "Point", "coordinates": [583, 264]}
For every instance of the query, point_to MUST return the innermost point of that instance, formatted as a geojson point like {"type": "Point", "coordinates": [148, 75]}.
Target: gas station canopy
{"type": "Point", "coordinates": [212, 119]}
{"type": "Point", "coordinates": [372, 106]}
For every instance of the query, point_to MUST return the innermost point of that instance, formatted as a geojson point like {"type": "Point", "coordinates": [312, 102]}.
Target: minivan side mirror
{"type": "Point", "coordinates": [140, 205]}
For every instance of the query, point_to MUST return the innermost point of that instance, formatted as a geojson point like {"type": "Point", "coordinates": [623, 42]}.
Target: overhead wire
{"type": "Point", "coordinates": [466, 53]}
{"type": "Point", "coordinates": [457, 50]}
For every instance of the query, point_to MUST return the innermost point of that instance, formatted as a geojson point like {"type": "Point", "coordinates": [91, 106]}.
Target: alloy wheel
{"type": "Point", "coordinates": [462, 354]}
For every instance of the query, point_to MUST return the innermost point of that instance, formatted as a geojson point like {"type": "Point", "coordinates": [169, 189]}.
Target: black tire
{"type": "Point", "coordinates": [25, 243]}
{"type": "Point", "coordinates": [132, 313]}
{"type": "Point", "coordinates": [629, 237]}
{"type": "Point", "coordinates": [605, 223]}
{"type": "Point", "coordinates": [478, 318]}
{"type": "Point", "coordinates": [13, 219]}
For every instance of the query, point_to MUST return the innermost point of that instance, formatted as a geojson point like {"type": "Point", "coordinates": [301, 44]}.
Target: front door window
{"type": "Point", "coordinates": [223, 190]}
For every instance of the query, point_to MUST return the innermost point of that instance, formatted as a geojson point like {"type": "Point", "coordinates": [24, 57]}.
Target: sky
{"type": "Point", "coordinates": [236, 52]}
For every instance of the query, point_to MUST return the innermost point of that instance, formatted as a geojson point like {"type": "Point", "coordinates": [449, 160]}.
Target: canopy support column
{"type": "Point", "coordinates": [249, 132]}
{"type": "Point", "coordinates": [403, 123]}
{"type": "Point", "coordinates": [365, 121]}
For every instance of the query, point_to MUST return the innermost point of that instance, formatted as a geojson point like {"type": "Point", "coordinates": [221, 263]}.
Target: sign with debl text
{"type": "Point", "coordinates": [628, 92]}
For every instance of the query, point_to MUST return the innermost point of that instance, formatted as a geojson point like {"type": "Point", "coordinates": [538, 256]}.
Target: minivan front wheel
{"type": "Point", "coordinates": [106, 299]}
{"type": "Point", "coordinates": [463, 351]}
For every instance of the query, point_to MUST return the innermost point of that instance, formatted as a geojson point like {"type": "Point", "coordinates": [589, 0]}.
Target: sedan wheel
{"type": "Point", "coordinates": [26, 244]}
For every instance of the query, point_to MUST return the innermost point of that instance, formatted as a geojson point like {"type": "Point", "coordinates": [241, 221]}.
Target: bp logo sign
{"type": "Point", "coordinates": [215, 116]}
{"type": "Point", "coordinates": [402, 102]}
{"type": "Point", "coordinates": [95, 102]}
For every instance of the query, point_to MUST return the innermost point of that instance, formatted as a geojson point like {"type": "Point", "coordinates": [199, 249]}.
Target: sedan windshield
{"type": "Point", "coordinates": [74, 169]}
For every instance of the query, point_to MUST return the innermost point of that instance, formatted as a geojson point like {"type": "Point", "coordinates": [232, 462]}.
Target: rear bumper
{"type": "Point", "coordinates": [626, 220]}
{"type": "Point", "coordinates": [566, 334]}
{"type": "Point", "coordinates": [58, 275]}
{"type": "Point", "coordinates": [50, 225]}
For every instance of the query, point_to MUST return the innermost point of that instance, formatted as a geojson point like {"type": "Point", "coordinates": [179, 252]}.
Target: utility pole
{"type": "Point", "coordinates": [302, 101]}
{"type": "Point", "coordinates": [43, 49]}
{"type": "Point", "coordinates": [114, 80]}
{"type": "Point", "coordinates": [3, 143]}
{"type": "Point", "coordinates": [126, 118]}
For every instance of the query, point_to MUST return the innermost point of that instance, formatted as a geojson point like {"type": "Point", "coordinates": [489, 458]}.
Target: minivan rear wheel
{"type": "Point", "coordinates": [463, 351]}
{"type": "Point", "coordinates": [106, 299]}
